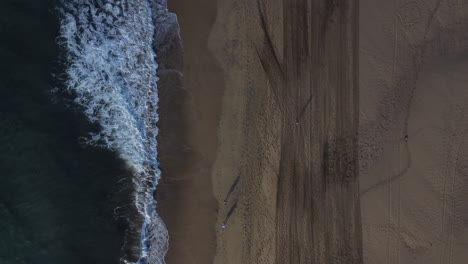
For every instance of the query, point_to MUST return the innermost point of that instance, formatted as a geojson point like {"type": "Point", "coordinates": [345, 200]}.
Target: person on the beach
{"type": "Point", "coordinates": [406, 139]}
{"type": "Point", "coordinates": [223, 225]}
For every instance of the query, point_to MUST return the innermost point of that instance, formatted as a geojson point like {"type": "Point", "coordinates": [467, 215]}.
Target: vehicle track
{"type": "Point", "coordinates": [318, 201]}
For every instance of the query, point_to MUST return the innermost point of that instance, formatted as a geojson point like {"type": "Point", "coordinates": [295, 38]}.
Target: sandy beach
{"type": "Point", "coordinates": [413, 58]}
{"type": "Point", "coordinates": [289, 126]}
{"type": "Point", "coordinates": [249, 77]}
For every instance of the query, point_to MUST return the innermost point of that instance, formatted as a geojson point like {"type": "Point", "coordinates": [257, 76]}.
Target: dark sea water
{"type": "Point", "coordinates": [57, 196]}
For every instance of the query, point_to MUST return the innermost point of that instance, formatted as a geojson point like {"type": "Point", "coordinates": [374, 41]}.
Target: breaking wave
{"type": "Point", "coordinates": [111, 71]}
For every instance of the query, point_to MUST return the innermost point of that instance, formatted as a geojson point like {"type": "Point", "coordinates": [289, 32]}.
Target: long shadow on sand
{"type": "Point", "coordinates": [231, 211]}
{"type": "Point", "coordinates": [233, 187]}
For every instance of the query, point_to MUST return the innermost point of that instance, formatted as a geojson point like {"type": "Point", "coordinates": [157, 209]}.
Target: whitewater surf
{"type": "Point", "coordinates": [111, 71]}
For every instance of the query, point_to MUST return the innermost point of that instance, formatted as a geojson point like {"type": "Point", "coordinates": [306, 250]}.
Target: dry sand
{"type": "Point", "coordinates": [298, 199]}
{"type": "Point", "coordinates": [413, 77]}
{"type": "Point", "coordinates": [341, 186]}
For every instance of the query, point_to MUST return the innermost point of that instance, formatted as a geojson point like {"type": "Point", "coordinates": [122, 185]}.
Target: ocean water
{"type": "Point", "coordinates": [78, 127]}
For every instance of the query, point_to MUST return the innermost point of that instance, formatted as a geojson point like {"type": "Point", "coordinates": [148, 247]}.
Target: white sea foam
{"type": "Point", "coordinates": [112, 72]}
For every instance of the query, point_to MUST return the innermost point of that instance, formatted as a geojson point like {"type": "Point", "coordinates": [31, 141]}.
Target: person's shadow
{"type": "Point", "coordinates": [233, 187]}
{"type": "Point", "coordinates": [231, 211]}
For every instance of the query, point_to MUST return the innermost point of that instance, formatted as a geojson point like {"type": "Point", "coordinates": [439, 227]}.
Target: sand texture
{"type": "Point", "coordinates": [291, 132]}
{"type": "Point", "coordinates": [413, 81]}
{"type": "Point", "coordinates": [297, 199]}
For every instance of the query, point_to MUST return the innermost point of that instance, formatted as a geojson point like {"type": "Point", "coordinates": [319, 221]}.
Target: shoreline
{"type": "Point", "coordinates": [189, 112]}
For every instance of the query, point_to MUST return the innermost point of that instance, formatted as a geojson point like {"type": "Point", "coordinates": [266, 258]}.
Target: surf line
{"type": "Point", "coordinates": [112, 73]}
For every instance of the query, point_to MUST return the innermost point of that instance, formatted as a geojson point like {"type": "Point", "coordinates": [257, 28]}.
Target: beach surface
{"type": "Point", "coordinates": [190, 101]}
{"type": "Point", "coordinates": [290, 133]}
{"type": "Point", "coordinates": [270, 127]}
{"type": "Point", "coordinates": [414, 63]}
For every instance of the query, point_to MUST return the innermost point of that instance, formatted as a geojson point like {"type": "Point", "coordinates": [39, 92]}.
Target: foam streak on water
{"type": "Point", "coordinates": [112, 72]}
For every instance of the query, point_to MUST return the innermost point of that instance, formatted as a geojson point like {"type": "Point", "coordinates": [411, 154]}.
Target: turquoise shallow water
{"type": "Point", "coordinates": [57, 197]}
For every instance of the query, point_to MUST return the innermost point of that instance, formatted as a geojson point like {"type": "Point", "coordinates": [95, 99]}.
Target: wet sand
{"type": "Point", "coordinates": [189, 112]}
